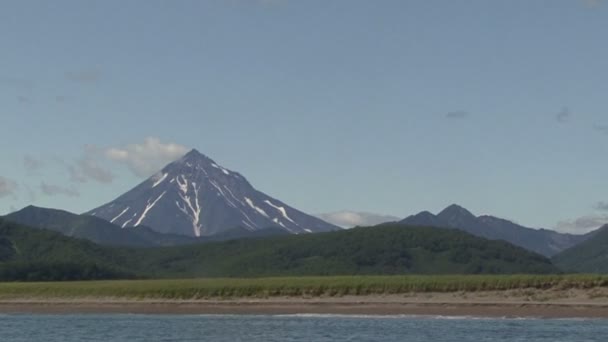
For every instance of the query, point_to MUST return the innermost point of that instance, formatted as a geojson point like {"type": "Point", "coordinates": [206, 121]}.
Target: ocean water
{"type": "Point", "coordinates": [293, 328]}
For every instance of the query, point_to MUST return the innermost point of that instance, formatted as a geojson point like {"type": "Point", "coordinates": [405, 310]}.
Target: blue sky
{"type": "Point", "coordinates": [383, 106]}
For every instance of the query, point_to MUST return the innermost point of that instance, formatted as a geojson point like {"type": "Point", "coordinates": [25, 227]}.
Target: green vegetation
{"type": "Point", "coordinates": [382, 250]}
{"type": "Point", "coordinates": [590, 256]}
{"type": "Point", "coordinates": [35, 255]}
{"type": "Point", "coordinates": [180, 289]}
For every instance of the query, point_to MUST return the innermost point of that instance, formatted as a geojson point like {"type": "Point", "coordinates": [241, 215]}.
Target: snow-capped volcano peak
{"type": "Point", "coordinates": [194, 156]}
{"type": "Point", "coordinates": [196, 196]}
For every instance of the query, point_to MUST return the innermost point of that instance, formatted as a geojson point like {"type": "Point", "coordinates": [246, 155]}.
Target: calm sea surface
{"type": "Point", "coordinates": [149, 328]}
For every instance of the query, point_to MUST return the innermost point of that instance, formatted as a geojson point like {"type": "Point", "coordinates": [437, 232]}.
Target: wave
{"type": "Point", "coordinates": [431, 317]}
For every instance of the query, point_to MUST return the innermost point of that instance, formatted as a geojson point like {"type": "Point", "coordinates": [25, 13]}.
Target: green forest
{"type": "Point", "coordinates": [28, 254]}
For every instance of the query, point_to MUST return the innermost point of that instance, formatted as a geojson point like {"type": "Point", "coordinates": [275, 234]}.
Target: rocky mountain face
{"type": "Point", "coordinates": [542, 241]}
{"type": "Point", "coordinates": [195, 196]}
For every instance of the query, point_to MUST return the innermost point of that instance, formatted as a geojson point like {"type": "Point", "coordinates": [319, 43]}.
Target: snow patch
{"type": "Point", "coordinates": [194, 206]}
{"type": "Point", "coordinates": [220, 191]}
{"type": "Point", "coordinates": [148, 207]}
{"type": "Point", "coordinates": [119, 215]}
{"type": "Point", "coordinates": [183, 185]}
{"type": "Point", "coordinates": [248, 225]}
{"type": "Point", "coordinates": [129, 220]}
{"type": "Point", "coordinates": [160, 179]}
{"type": "Point", "coordinates": [220, 168]}
{"type": "Point", "coordinates": [253, 206]}
{"type": "Point", "coordinates": [281, 210]}
{"type": "Point", "coordinates": [276, 220]}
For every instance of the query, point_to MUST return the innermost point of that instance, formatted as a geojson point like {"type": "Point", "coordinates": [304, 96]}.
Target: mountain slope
{"type": "Point", "coordinates": [542, 241]}
{"type": "Point", "coordinates": [590, 256]}
{"type": "Point", "coordinates": [94, 229]}
{"type": "Point", "coordinates": [385, 249]}
{"type": "Point", "coordinates": [38, 254]}
{"type": "Point", "coordinates": [195, 196]}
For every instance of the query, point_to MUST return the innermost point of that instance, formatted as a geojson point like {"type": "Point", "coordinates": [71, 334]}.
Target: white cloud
{"type": "Point", "coordinates": [53, 190]}
{"type": "Point", "coordinates": [349, 219]}
{"type": "Point", "coordinates": [146, 158]}
{"type": "Point", "coordinates": [7, 187]}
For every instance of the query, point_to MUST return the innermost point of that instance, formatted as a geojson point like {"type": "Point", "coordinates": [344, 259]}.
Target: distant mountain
{"type": "Point", "coordinates": [195, 196]}
{"type": "Point", "coordinates": [542, 241]}
{"type": "Point", "coordinates": [590, 256]}
{"type": "Point", "coordinates": [350, 219]}
{"type": "Point", "coordinates": [105, 233]}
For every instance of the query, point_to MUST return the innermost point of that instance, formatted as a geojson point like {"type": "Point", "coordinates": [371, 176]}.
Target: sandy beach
{"type": "Point", "coordinates": [516, 303]}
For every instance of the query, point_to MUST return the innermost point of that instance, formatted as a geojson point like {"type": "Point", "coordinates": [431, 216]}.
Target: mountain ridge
{"type": "Point", "coordinates": [104, 233]}
{"type": "Point", "coordinates": [93, 228]}
{"type": "Point", "coordinates": [543, 241]}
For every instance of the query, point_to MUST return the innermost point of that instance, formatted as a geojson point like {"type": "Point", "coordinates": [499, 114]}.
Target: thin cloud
{"type": "Point", "coordinates": [457, 115]}
{"type": "Point", "coordinates": [84, 76]}
{"type": "Point", "coordinates": [87, 168]}
{"type": "Point", "coordinates": [17, 83]}
{"type": "Point", "coordinates": [54, 190]}
{"type": "Point", "coordinates": [349, 219]}
{"type": "Point", "coordinates": [592, 3]}
{"type": "Point", "coordinates": [563, 116]}
{"type": "Point", "coordinates": [30, 194]}
{"type": "Point", "coordinates": [32, 165]}
{"type": "Point", "coordinates": [8, 187]}
{"type": "Point", "coordinates": [601, 128]}
{"type": "Point", "coordinates": [601, 206]}
{"type": "Point", "coordinates": [146, 158]}
{"type": "Point", "coordinates": [582, 224]}
{"type": "Point", "coordinates": [271, 2]}
{"type": "Point", "coordinates": [24, 99]}
{"type": "Point", "coordinates": [259, 2]}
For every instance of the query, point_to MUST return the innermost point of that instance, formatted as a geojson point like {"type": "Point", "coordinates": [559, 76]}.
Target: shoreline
{"type": "Point", "coordinates": [415, 304]}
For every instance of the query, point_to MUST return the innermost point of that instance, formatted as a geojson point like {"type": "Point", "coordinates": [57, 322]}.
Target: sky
{"type": "Point", "coordinates": [388, 107]}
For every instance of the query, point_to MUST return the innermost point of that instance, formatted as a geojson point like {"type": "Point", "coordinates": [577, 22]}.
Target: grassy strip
{"type": "Point", "coordinates": [293, 286]}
